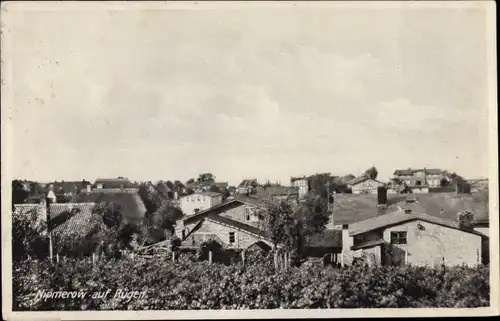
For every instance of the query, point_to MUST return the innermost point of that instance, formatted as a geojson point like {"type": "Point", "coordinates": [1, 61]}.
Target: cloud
{"type": "Point", "coordinates": [402, 115]}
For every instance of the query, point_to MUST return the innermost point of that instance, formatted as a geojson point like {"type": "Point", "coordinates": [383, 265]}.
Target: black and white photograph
{"type": "Point", "coordinates": [249, 159]}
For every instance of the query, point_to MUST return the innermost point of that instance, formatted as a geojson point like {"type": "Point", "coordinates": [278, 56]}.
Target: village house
{"type": "Point", "coordinates": [419, 177]}
{"type": "Point", "coordinates": [70, 188]}
{"type": "Point", "coordinates": [346, 178]}
{"type": "Point", "coordinates": [67, 221]}
{"type": "Point", "coordinates": [278, 193]}
{"type": "Point", "coordinates": [113, 183]}
{"type": "Point", "coordinates": [302, 184]}
{"type": "Point", "coordinates": [364, 185]}
{"type": "Point", "coordinates": [199, 201]}
{"type": "Point", "coordinates": [205, 186]}
{"type": "Point", "coordinates": [403, 237]}
{"type": "Point", "coordinates": [247, 187]}
{"type": "Point", "coordinates": [130, 203]}
{"type": "Point", "coordinates": [234, 224]}
{"type": "Point", "coordinates": [410, 229]}
{"type": "Point", "coordinates": [166, 192]}
{"type": "Point", "coordinates": [480, 184]}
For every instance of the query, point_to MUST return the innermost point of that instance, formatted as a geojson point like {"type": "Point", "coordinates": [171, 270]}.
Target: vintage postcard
{"type": "Point", "coordinates": [200, 160]}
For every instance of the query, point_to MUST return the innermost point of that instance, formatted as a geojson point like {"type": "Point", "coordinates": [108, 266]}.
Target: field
{"type": "Point", "coordinates": [191, 284]}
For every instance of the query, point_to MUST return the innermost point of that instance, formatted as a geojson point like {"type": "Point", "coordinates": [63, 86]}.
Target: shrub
{"type": "Point", "coordinates": [190, 284]}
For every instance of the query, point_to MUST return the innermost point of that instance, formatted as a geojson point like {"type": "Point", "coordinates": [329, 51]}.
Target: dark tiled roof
{"type": "Point", "coordinates": [328, 238]}
{"type": "Point", "coordinates": [252, 200]}
{"type": "Point", "coordinates": [411, 171]}
{"type": "Point", "coordinates": [350, 208]}
{"type": "Point", "coordinates": [163, 188]}
{"type": "Point", "coordinates": [293, 179]}
{"type": "Point", "coordinates": [131, 205]}
{"type": "Point", "coordinates": [71, 218]}
{"type": "Point", "coordinates": [66, 219]}
{"type": "Point", "coordinates": [224, 206]}
{"type": "Point", "coordinates": [69, 187]}
{"type": "Point", "coordinates": [221, 184]}
{"type": "Point", "coordinates": [229, 203]}
{"type": "Point", "coordinates": [361, 179]}
{"type": "Point", "coordinates": [395, 218]}
{"type": "Point", "coordinates": [114, 183]}
{"type": "Point", "coordinates": [265, 192]}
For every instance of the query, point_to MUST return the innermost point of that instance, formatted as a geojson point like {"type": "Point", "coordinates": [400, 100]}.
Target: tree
{"type": "Point", "coordinates": [28, 239]}
{"type": "Point", "coordinates": [206, 178]}
{"type": "Point", "coordinates": [152, 201]}
{"type": "Point", "coordinates": [178, 185]}
{"type": "Point", "coordinates": [281, 224]}
{"type": "Point", "coordinates": [466, 220]}
{"type": "Point", "coordinates": [322, 185]}
{"type": "Point", "coordinates": [225, 193]}
{"type": "Point", "coordinates": [371, 172]}
{"type": "Point", "coordinates": [313, 214]}
{"type": "Point", "coordinates": [110, 214]}
{"type": "Point", "coordinates": [166, 216]}
{"type": "Point", "coordinates": [289, 226]}
{"type": "Point", "coordinates": [170, 184]}
{"type": "Point", "coordinates": [190, 181]}
{"type": "Point", "coordinates": [19, 194]}
{"type": "Point", "coordinates": [127, 236]}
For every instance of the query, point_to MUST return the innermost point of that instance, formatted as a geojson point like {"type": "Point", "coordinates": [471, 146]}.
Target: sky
{"type": "Point", "coordinates": [252, 92]}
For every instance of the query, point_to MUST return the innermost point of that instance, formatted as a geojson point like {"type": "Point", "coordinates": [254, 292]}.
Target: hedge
{"type": "Point", "coordinates": [188, 284]}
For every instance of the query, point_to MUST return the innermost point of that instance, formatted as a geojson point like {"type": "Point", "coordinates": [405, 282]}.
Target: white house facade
{"type": "Point", "coordinates": [199, 201]}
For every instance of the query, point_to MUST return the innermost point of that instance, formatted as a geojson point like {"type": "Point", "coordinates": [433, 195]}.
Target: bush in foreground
{"type": "Point", "coordinates": [200, 285]}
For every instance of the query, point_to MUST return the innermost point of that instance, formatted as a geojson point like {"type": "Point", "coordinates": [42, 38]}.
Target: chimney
{"type": "Point", "coordinates": [381, 196]}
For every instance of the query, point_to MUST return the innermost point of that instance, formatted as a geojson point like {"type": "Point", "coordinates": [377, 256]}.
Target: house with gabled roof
{"type": "Point", "coordinates": [302, 184]}
{"type": "Point", "coordinates": [234, 224]}
{"type": "Point", "coordinates": [406, 237]}
{"type": "Point", "coordinates": [247, 186]}
{"type": "Point", "coordinates": [66, 221]}
{"type": "Point", "coordinates": [199, 201]}
{"type": "Point", "coordinates": [428, 221]}
{"type": "Point", "coordinates": [70, 188]}
{"type": "Point", "coordinates": [364, 185]}
{"type": "Point", "coordinates": [114, 183]}
{"type": "Point", "coordinates": [420, 177]}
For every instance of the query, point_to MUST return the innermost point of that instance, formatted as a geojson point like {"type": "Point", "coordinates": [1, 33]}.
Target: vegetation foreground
{"type": "Point", "coordinates": [191, 284]}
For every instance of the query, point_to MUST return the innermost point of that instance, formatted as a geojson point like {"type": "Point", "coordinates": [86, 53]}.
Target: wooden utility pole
{"type": "Point", "coordinates": [49, 232]}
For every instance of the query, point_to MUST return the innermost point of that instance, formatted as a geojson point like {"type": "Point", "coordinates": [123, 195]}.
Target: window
{"type": "Point", "coordinates": [232, 237]}
{"type": "Point", "coordinates": [198, 199]}
{"type": "Point", "coordinates": [398, 237]}
{"type": "Point", "coordinates": [247, 217]}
